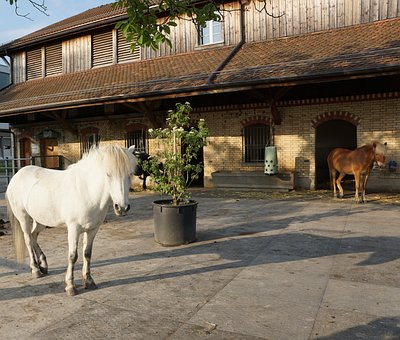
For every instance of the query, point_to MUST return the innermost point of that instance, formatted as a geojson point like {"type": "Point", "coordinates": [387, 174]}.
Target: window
{"type": "Point", "coordinates": [137, 138]}
{"type": "Point", "coordinates": [89, 140]}
{"type": "Point", "coordinates": [211, 34]}
{"type": "Point", "coordinates": [255, 138]}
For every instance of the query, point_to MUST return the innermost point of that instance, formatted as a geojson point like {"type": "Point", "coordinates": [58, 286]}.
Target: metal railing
{"type": "Point", "coordinates": [9, 167]}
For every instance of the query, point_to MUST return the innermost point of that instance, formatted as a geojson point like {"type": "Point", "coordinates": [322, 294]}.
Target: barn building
{"type": "Point", "coordinates": [301, 76]}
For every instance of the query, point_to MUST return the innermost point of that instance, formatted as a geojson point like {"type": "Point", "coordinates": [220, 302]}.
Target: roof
{"type": "Point", "coordinates": [95, 16]}
{"type": "Point", "coordinates": [121, 81]}
{"type": "Point", "coordinates": [368, 49]}
{"type": "Point", "coordinates": [372, 47]}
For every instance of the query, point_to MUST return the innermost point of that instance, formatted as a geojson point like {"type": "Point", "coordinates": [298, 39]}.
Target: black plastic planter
{"type": "Point", "coordinates": [174, 225]}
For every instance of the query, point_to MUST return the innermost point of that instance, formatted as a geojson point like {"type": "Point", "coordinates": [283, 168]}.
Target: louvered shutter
{"type": "Point", "coordinates": [102, 49]}
{"type": "Point", "coordinates": [124, 50]}
{"type": "Point", "coordinates": [34, 64]}
{"type": "Point", "coordinates": [53, 59]}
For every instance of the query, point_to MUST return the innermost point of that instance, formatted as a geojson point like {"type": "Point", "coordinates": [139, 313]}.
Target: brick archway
{"type": "Point", "coordinates": [256, 120]}
{"type": "Point", "coordinates": [335, 115]}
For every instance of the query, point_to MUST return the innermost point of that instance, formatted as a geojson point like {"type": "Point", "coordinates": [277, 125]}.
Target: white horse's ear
{"type": "Point", "coordinates": [131, 149]}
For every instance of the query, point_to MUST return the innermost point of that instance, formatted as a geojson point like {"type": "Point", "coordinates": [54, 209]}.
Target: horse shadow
{"type": "Point", "coordinates": [240, 245]}
{"type": "Point", "coordinates": [382, 328]}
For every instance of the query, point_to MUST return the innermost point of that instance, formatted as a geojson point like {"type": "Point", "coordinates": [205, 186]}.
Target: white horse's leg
{"type": "Point", "coordinates": [339, 185]}
{"type": "Point", "coordinates": [40, 257]}
{"type": "Point", "coordinates": [73, 238]}
{"type": "Point", "coordinates": [88, 237]}
{"type": "Point", "coordinates": [30, 244]}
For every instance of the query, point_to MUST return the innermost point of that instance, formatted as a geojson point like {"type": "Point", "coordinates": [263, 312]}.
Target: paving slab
{"type": "Point", "coordinates": [264, 266]}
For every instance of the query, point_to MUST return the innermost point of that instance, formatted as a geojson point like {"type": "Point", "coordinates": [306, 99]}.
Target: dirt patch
{"type": "Point", "coordinates": [303, 195]}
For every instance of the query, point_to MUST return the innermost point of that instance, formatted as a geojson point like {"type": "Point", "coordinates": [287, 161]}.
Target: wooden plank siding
{"type": "Point", "coordinates": [19, 67]}
{"type": "Point", "coordinates": [76, 54]}
{"type": "Point", "coordinates": [306, 16]}
{"type": "Point", "coordinates": [184, 37]}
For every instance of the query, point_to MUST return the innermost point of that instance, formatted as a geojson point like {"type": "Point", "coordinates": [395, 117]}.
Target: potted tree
{"type": "Point", "coordinates": [173, 168]}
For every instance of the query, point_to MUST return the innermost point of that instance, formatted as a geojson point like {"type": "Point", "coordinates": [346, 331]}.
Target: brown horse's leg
{"type": "Point", "coordinates": [357, 176]}
{"type": "Point", "coordinates": [339, 179]}
{"type": "Point", "coordinates": [333, 181]}
{"type": "Point", "coordinates": [364, 200]}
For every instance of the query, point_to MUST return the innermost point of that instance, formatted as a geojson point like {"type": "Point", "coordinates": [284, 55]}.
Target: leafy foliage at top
{"type": "Point", "coordinates": [149, 22]}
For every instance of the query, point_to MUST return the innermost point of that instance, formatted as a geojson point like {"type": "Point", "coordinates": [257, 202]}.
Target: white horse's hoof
{"type": "Point", "coordinates": [44, 270]}
{"type": "Point", "coordinates": [36, 274]}
{"type": "Point", "coordinates": [71, 291]}
{"type": "Point", "coordinates": [89, 284]}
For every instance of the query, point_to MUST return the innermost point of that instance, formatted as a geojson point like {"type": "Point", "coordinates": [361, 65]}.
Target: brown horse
{"type": "Point", "coordinates": [355, 162]}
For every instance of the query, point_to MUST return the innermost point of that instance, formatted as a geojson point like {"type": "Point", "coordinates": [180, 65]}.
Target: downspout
{"type": "Point", "coordinates": [224, 62]}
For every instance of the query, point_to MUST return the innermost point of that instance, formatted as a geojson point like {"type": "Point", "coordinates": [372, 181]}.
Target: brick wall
{"type": "Point", "coordinates": [376, 119]}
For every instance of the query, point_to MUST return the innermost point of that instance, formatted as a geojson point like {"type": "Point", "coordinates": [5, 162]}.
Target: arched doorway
{"type": "Point", "coordinates": [336, 133]}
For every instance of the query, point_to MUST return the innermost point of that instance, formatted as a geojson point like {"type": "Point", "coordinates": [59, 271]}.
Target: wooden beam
{"type": "Point", "coordinates": [147, 109]}
{"type": "Point", "coordinates": [270, 97]}
{"type": "Point", "coordinates": [276, 117]}
{"type": "Point", "coordinates": [61, 118]}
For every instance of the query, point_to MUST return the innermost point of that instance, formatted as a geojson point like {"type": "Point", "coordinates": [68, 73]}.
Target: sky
{"type": "Point", "coordinates": [14, 27]}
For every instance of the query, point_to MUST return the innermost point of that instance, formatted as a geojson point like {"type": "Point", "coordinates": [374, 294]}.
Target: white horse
{"type": "Point", "coordinates": [77, 197]}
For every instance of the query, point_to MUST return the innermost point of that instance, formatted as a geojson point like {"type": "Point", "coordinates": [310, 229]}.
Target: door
{"type": "Point", "coordinates": [332, 134]}
{"type": "Point", "coordinates": [25, 151]}
{"type": "Point", "coordinates": [49, 153]}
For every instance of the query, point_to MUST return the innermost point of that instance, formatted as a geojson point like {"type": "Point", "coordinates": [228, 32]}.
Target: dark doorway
{"type": "Point", "coordinates": [332, 134]}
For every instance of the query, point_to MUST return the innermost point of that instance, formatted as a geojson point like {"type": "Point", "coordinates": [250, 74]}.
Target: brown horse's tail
{"type": "Point", "coordinates": [19, 240]}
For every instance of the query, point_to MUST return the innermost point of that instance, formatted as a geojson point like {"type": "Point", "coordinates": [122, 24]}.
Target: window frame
{"type": "Point", "coordinates": [254, 142]}
{"type": "Point", "coordinates": [212, 41]}
{"type": "Point", "coordinates": [89, 140]}
{"type": "Point", "coordinates": [143, 146]}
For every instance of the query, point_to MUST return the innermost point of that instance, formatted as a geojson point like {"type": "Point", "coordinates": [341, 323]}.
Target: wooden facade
{"type": "Point", "coordinates": [278, 19]}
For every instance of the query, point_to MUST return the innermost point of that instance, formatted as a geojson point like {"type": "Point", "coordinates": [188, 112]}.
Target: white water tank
{"type": "Point", "coordinates": [270, 161]}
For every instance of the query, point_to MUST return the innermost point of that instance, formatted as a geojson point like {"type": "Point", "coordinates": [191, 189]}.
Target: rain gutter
{"type": "Point", "coordinates": [221, 66]}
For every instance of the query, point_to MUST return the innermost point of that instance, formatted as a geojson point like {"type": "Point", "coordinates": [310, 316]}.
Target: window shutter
{"type": "Point", "coordinates": [124, 50]}
{"type": "Point", "coordinates": [102, 52]}
{"type": "Point", "coordinates": [34, 64]}
{"type": "Point", "coordinates": [53, 59]}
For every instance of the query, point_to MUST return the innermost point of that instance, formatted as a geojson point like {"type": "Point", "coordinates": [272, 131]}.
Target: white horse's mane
{"type": "Point", "coordinates": [114, 160]}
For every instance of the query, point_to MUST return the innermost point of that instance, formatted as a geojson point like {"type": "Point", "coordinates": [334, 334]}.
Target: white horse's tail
{"type": "Point", "coordinates": [19, 240]}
